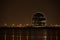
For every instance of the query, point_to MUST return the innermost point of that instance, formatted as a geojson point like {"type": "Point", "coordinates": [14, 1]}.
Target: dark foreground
{"type": "Point", "coordinates": [29, 33]}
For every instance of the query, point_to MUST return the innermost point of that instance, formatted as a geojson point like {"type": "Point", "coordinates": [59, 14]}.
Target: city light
{"type": "Point", "coordinates": [5, 24]}
{"type": "Point", "coordinates": [27, 24]}
{"type": "Point", "coordinates": [13, 25]}
{"type": "Point", "coordinates": [20, 25]}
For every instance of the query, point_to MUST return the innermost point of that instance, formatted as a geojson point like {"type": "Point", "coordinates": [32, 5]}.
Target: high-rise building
{"type": "Point", "coordinates": [39, 19]}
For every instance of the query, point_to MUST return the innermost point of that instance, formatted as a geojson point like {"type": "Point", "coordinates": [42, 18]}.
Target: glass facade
{"type": "Point", "coordinates": [39, 19]}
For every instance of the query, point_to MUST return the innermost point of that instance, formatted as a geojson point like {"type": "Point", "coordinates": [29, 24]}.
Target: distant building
{"type": "Point", "coordinates": [39, 19]}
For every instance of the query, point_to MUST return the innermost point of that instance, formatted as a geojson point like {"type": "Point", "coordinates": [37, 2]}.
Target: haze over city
{"type": "Point", "coordinates": [21, 11]}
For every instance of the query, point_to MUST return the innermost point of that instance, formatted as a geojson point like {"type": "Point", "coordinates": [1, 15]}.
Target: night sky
{"type": "Point", "coordinates": [21, 11]}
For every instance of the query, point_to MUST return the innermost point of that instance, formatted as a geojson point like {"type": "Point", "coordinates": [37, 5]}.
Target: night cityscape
{"type": "Point", "coordinates": [38, 30]}
{"type": "Point", "coordinates": [30, 20]}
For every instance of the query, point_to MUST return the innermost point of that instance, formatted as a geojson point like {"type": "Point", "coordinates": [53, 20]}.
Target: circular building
{"type": "Point", "coordinates": [39, 20]}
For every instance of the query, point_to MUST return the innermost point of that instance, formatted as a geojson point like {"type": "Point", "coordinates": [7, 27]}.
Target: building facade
{"type": "Point", "coordinates": [39, 19]}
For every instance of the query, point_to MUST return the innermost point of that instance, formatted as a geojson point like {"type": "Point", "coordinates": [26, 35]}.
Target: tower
{"type": "Point", "coordinates": [38, 20]}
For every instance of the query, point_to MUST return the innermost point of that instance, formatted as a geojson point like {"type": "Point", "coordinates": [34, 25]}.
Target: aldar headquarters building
{"type": "Point", "coordinates": [38, 30]}
{"type": "Point", "coordinates": [39, 19]}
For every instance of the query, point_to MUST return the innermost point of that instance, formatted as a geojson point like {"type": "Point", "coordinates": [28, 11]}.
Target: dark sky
{"type": "Point", "coordinates": [21, 11]}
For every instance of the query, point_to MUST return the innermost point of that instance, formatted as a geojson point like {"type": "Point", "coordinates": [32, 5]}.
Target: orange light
{"type": "Point", "coordinates": [5, 24]}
